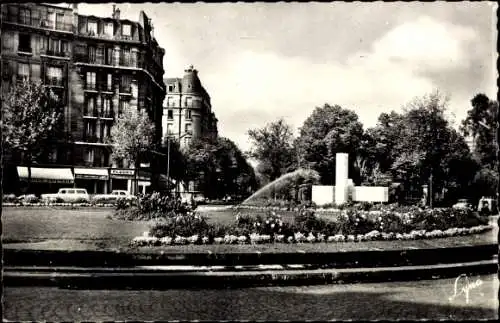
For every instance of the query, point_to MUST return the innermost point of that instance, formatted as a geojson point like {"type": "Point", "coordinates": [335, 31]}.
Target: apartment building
{"type": "Point", "coordinates": [187, 112]}
{"type": "Point", "coordinates": [99, 66]}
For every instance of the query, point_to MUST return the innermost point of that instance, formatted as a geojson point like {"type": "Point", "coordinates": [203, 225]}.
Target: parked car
{"type": "Point", "coordinates": [68, 195]}
{"type": "Point", "coordinates": [463, 204]}
{"type": "Point", "coordinates": [114, 196]}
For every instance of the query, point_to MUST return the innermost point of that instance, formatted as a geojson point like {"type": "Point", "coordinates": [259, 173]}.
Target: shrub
{"type": "Point", "coordinates": [181, 225]}
{"type": "Point", "coordinates": [150, 206]}
{"type": "Point", "coordinates": [10, 198]}
{"type": "Point", "coordinates": [30, 199]}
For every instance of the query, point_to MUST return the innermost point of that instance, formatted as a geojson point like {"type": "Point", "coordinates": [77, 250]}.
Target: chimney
{"type": "Point", "coordinates": [116, 13]}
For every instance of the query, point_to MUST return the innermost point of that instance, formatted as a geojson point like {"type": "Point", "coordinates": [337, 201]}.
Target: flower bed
{"type": "Point", "coordinates": [351, 225]}
{"type": "Point", "coordinates": [38, 204]}
{"type": "Point", "coordinates": [299, 237]}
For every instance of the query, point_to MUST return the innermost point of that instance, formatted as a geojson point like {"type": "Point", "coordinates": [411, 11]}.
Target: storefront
{"type": "Point", "coordinates": [144, 181]}
{"type": "Point", "coordinates": [95, 180]}
{"type": "Point", "coordinates": [122, 179]}
{"type": "Point", "coordinates": [44, 180]}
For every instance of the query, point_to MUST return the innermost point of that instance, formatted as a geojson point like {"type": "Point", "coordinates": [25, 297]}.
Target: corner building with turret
{"type": "Point", "coordinates": [99, 67]}
{"type": "Point", "coordinates": [187, 111]}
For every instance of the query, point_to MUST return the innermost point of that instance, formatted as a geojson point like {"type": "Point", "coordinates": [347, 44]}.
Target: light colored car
{"type": "Point", "coordinates": [115, 195]}
{"type": "Point", "coordinates": [463, 204]}
{"type": "Point", "coordinates": [68, 195]}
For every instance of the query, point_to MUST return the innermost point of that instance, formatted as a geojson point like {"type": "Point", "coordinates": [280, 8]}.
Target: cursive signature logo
{"type": "Point", "coordinates": [463, 287]}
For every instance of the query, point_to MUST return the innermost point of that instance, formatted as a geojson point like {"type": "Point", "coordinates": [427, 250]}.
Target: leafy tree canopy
{"type": "Point", "coordinates": [31, 115]}
{"type": "Point", "coordinates": [272, 146]}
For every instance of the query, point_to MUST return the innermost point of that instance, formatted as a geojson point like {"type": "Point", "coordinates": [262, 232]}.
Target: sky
{"type": "Point", "coordinates": [263, 61]}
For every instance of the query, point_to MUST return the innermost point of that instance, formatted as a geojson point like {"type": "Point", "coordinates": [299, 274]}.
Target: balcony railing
{"type": "Point", "coordinates": [106, 87]}
{"type": "Point", "coordinates": [53, 81]}
{"type": "Point", "coordinates": [57, 53]}
{"type": "Point", "coordinates": [126, 89]}
{"type": "Point", "coordinates": [24, 49]}
{"type": "Point", "coordinates": [91, 86]}
{"type": "Point", "coordinates": [90, 113]}
{"type": "Point", "coordinates": [90, 138]}
{"type": "Point", "coordinates": [107, 114]}
{"type": "Point", "coordinates": [36, 22]}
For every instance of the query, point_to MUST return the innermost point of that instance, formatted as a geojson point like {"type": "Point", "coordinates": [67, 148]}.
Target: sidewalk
{"type": "Point", "coordinates": [161, 278]}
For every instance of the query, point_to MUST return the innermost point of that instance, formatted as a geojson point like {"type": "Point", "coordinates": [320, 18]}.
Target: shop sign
{"type": "Point", "coordinates": [122, 173]}
{"type": "Point", "coordinates": [91, 176]}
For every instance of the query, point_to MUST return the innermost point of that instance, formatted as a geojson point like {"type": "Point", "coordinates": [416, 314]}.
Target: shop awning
{"type": "Point", "coordinates": [144, 183]}
{"type": "Point", "coordinates": [46, 175]}
{"type": "Point", "coordinates": [92, 173]}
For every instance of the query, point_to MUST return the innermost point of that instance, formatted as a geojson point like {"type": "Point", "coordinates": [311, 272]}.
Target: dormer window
{"type": "Point", "coordinates": [108, 29]}
{"type": "Point", "coordinates": [126, 30]}
{"type": "Point", "coordinates": [92, 28]}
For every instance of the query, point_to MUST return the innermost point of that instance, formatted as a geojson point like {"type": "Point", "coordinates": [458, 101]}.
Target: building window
{"type": "Point", "coordinates": [170, 114]}
{"type": "Point", "coordinates": [106, 106]}
{"type": "Point", "coordinates": [105, 130]}
{"type": "Point", "coordinates": [91, 105]}
{"type": "Point", "coordinates": [91, 80]}
{"type": "Point", "coordinates": [188, 101]}
{"type": "Point", "coordinates": [23, 71]}
{"type": "Point", "coordinates": [126, 84]}
{"type": "Point", "coordinates": [170, 128]}
{"type": "Point", "coordinates": [24, 43]}
{"type": "Point", "coordinates": [92, 28]}
{"type": "Point", "coordinates": [51, 18]}
{"type": "Point", "coordinates": [54, 75]}
{"type": "Point", "coordinates": [90, 129]}
{"type": "Point", "coordinates": [89, 155]}
{"type": "Point", "coordinates": [186, 141]}
{"type": "Point", "coordinates": [170, 88]}
{"type": "Point", "coordinates": [188, 128]}
{"type": "Point", "coordinates": [170, 101]}
{"type": "Point", "coordinates": [57, 47]}
{"type": "Point", "coordinates": [108, 29]}
{"type": "Point", "coordinates": [188, 114]}
{"type": "Point", "coordinates": [60, 21]}
{"type": "Point", "coordinates": [100, 55]}
{"type": "Point", "coordinates": [109, 82]}
{"type": "Point", "coordinates": [109, 56]}
{"type": "Point", "coordinates": [124, 105]}
{"type": "Point", "coordinates": [126, 30]}
{"type": "Point", "coordinates": [35, 72]}
{"type": "Point", "coordinates": [25, 16]}
{"type": "Point", "coordinates": [125, 57]}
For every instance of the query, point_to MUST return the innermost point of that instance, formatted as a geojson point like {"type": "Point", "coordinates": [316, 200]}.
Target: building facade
{"type": "Point", "coordinates": [99, 67]}
{"type": "Point", "coordinates": [187, 111]}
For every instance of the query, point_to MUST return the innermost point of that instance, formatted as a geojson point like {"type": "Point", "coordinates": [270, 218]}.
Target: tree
{"type": "Point", "coordinates": [219, 167]}
{"type": "Point", "coordinates": [131, 137]}
{"type": "Point", "coordinates": [480, 124]}
{"type": "Point", "coordinates": [31, 115]}
{"type": "Point", "coordinates": [427, 149]}
{"type": "Point", "coordinates": [327, 131]}
{"type": "Point", "coordinates": [272, 146]}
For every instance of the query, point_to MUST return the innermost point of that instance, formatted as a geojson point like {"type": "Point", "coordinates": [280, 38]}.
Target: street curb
{"type": "Point", "coordinates": [341, 259]}
{"type": "Point", "coordinates": [158, 279]}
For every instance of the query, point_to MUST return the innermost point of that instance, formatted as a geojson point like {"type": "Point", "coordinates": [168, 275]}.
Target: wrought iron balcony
{"type": "Point", "coordinates": [53, 81]}
{"type": "Point", "coordinates": [107, 114]}
{"type": "Point", "coordinates": [35, 22]}
{"type": "Point", "coordinates": [24, 49]}
{"type": "Point", "coordinates": [91, 86]}
{"type": "Point", "coordinates": [90, 138]}
{"type": "Point", "coordinates": [91, 113]}
{"type": "Point", "coordinates": [57, 53]}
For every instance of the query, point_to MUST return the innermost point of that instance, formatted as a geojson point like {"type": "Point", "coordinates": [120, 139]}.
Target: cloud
{"type": "Point", "coordinates": [257, 87]}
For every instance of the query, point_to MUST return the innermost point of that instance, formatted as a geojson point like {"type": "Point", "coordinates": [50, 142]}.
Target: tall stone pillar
{"type": "Point", "coordinates": [341, 182]}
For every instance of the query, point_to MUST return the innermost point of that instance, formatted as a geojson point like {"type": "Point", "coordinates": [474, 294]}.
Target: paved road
{"type": "Point", "coordinates": [396, 300]}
